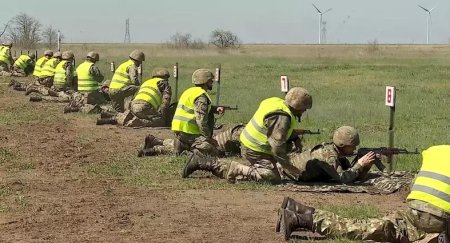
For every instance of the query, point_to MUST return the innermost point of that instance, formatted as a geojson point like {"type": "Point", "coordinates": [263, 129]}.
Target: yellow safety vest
{"type": "Point", "coordinates": [49, 68]}
{"type": "Point", "coordinates": [432, 184]}
{"type": "Point", "coordinates": [149, 92]}
{"type": "Point", "coordinates": [254, 135]}
{"type": "Point", "coordinates": [4, 54]}
{"type": "Point", "coordinates": [86, 81]}
{"type": "Point", "coordinates": [39, 65]}
{"type": "Point", "coordinates": [22, 61]}
{"type": "Point", "coordinates": [184, 118]}
{"type": "Point", "coordinates": [121, 76]}
{"type": "Point", "coordinates": [60, 74]}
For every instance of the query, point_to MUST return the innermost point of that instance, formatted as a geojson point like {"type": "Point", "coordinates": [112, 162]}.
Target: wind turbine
{"type": "Point", "coordinates": [320, 20]}
{"type": "Point", "coordinates": [428, 21]}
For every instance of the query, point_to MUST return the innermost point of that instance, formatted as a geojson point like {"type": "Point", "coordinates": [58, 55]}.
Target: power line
{"type": "Point", "coordinates": [127, 31]}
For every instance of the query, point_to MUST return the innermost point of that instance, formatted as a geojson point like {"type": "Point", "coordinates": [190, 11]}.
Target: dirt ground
{"type": "Point", "coordinates": [48, 196]}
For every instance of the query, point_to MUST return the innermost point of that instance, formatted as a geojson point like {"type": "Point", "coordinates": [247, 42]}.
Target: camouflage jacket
{"type": "Point", "coordinates": [322, 163]}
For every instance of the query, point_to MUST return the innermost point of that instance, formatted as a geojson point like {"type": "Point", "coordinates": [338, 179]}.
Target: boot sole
{"type": "Point", "coordinates": [277, 226]}
{"type": "Point", "coordinates": [283, 228]}
{"type": "Point", "coordinates": [185, 172]}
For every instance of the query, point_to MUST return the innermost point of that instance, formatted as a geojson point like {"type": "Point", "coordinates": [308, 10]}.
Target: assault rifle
{"type": "Point", "coordinates": [306, 131]}
{"type": "Point", "coordinates": [381, 151]}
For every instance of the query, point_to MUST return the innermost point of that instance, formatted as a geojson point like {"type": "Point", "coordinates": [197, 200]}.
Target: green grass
{"type": "Point", "coordinates": [5, 155]}
{"type": "Point", "coordinates": [353, 212]}
{"type": "Point", "coordinates": [163, 172]}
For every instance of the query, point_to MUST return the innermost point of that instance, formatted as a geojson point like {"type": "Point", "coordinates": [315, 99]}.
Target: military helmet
{"type": "Point", "coordinates": [202, 76]}
{"type": "Point", "coordinates": [94, 55]}
{"type": "Point", "coordinates": [299, 98]}
{"type": "Point", "coordinates": [66, 55]}
{"type": "Point", "coordinates": [7, 43]}
{"type": "Point", "coordinates": [32, 56]}
{"type": "Point", "coordinates": [137, 55]}
{"type": "Point", "coordinates": [346, 136]}
{"type": "Point", "coordinates": [57, 54]}
{"type": "Point", "coordinates": [48, 53]}
{"type": "Point", "coordinates": [160, 73]}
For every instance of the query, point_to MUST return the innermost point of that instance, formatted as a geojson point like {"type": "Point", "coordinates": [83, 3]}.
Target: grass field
{"type": "Point", "coordinates": [347, 84]}
{"type": "Point", "coordinates": [45, 154]}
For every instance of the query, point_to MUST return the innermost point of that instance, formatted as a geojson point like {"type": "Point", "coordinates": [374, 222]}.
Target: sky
{"type": "Point", "coordinates": [253, 21]}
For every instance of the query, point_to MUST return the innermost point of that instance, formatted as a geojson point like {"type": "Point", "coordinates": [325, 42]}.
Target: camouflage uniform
{"type": "Point", "coordinates": [121, 99]}
{"type": "Point", "coordinates": [323, 163]}
{"type": "Point", "coordinates": [18, 72]}
{"type": "Point", "coordinates": [227, 140]}
{"type": "Point", "coordinates": [205, 122]}
{"type": "Point", "coordinates": [143, 114]}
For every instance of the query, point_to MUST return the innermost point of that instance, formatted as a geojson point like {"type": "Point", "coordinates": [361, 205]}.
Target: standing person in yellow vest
{"type": "Point", "coordinates": [428, 210]}
{"type": "Point", "coordinates": [125, 81]}
{"type": "Point", "coordinates": [41, 62]}
{"type": "Point", "coordinates": [264, 141]}
{"type": "Point", "coordinates": [149, 106]}
{"type": "Point", "coordinates": [6, 59]}
{"type": "Point", "coordinates": [24, 65]}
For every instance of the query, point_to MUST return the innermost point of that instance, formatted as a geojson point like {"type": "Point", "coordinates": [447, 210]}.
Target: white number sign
{"type": "Point", "coordinates": [390, 96]}
{"type": "Point", "coordinates": [284, 82]}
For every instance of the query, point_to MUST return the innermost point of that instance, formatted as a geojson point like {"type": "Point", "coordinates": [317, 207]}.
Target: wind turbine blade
{"type": "Point", "coordinates": [424, 8]}
{"type": "Point", "coordinates": [328, 10]}
{"type": "Point", "coordinates": [316, 8]}
{"type": "Point", "coordinates": [433, 7]}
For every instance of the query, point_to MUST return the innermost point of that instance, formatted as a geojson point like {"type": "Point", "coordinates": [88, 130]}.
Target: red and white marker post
{"type": "Point", "coordinates": [390, 101]}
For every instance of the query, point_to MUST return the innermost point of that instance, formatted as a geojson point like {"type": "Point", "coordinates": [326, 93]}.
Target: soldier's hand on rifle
{"type": "Point", "coordinates": [367, 160]}
{"type": "Point", "coordinates": [220, 110]}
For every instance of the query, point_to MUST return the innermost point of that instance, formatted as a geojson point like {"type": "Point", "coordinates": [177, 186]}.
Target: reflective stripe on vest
{"type": "Point", "coordinates": [49, 68]}
{"type": "Point", "coordinates": [184, 118]}
{"type": "Point", "coordinates": [86, 81]}
{"type": "Point", "coordinates": [39, 65]}
{"type": "Point", "coordinates": [149, 92]}
{"type": "Point", "coordinates": [432, 184]}
{"type": "Point", "coordinates": [60, 74]}
{"type": "Point", "coordinates": [4, 54]}
{"type": "Point", "coordinates": [254, 136]}
{"type": "Point", "coordinates": [121, 76]}
{"type": "Point", "coordinates": [22, 61]}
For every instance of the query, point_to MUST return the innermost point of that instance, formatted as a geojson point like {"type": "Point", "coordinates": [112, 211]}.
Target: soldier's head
{"type": "Point", "coordinates": [57, 55]}
{"type": "Point", "coordinates": [137, 56]}
{"type": "Point", "coordinates": [299, 100]}
{"type": "Point", "coordinates": [93, 56]}
{"type": "Point", "coordinates": [346, 139]}
{"type": "Point", "coordinates": [7, 43]}
{"type": "Point", "coordinates": [67, 55]}
{"type": "Point", "coordinates": [32, 56]}
{"type": "Point", "coordinates": [160, 73]}
{"type": "Point", "coordinates": [48, 53]}
{"type": "Point", "coordinates": [203, 78]}
{"type": "Point", "coordinates": [105, 86]}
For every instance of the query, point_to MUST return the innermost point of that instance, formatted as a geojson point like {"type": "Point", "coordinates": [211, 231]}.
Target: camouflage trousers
{"type": "Point", "coordinates": [4, 67]}
{"type": "Point", "coordinates": [189, 142]}
{"type": "Point", "coordinates": [90, 103]}
{"type": "Point", "coordinates": [45, 81]}
{"type": "Point", "coordinates": [121, 99]}
{"type": "Point", "coordinates": [411, 224]}
{"type": "Point", "coordinates": [61, 97]}
{"type": "Point", "coordinates": [141, 114]}
{"type": "Point", "coordinates": [5, 74]}
{"type": "Point", "coordinates": [263, 167]}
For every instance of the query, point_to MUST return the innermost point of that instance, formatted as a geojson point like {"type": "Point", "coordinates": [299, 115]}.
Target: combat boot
{"type": "Point", "coordinates": [290, 221]}
{"type": "Point", "coordinates": [236, 169]}
{"type": "Point", "coordinates": [68, 109]}
{"type": "Point", "coordinates": [443, 238]}
{"type": "Point", "coordinates": [30, 89]}
{"type": "Point", "coordinates": [103, 121]}
{"type": "Point", "coordinates": [290, 204]}
{"type": "Point", "coordinates": [35, 98]}
{"type": "Point", "coordinates": [146, 152]}
{"type": "Point", "coordinates": [106, 114]}
{"type": "Point", "coordinates": [53, 93]}
{"type": "Point", "coordinates": [13, 82]}
{"type": "Point", "coordinates": [198, 161]}
{"type": "Point", "coordinates": [151, 141]}
{"type": "Point", "coordinates": [19, 88]}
